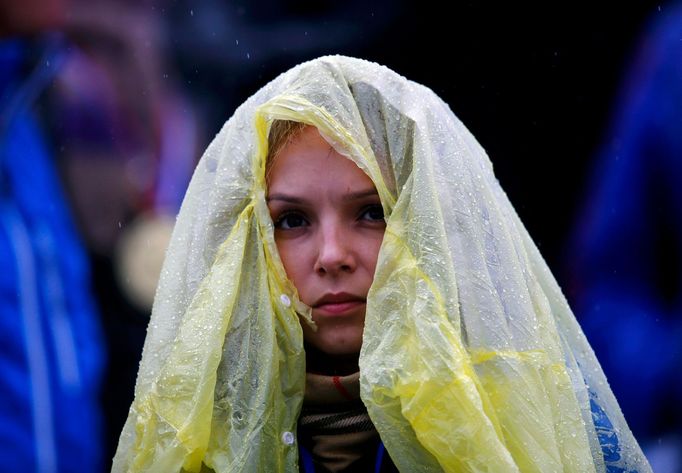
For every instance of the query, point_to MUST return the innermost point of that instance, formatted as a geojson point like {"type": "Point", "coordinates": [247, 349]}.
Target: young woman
{"type": "Point", "coordinates": [344, 237]}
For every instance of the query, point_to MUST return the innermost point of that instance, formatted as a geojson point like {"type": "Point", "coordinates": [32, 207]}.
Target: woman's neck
{"type": "Point", "coordinates": [333, 365]}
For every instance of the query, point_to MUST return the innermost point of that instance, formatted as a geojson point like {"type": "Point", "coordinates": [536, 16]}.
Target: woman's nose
{"type": "Point", "coordinates": [335, 251]}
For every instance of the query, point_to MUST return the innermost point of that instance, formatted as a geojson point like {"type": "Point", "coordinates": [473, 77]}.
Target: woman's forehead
{"type": "Point", "coordinates": [309, 163]}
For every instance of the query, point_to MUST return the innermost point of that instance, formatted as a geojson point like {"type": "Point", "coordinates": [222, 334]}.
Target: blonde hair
{"type": "Point", "coordinates": [282, 132]}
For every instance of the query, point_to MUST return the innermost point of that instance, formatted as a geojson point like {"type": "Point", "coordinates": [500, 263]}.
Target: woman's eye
{"type": "Point", "coordinates": [290, 220]}
{"type": "Point", "coordinates": [373, 212]}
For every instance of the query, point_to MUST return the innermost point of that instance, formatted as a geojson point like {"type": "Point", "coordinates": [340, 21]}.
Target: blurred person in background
{"type": "Point", "coordinates": [104, 116]}
{"type": "Point", "coordinates": [127, 138]}
{"type": "Point", "coordinates": [51, 350]}
{"type": "Point", "coordinates": [626, 257]}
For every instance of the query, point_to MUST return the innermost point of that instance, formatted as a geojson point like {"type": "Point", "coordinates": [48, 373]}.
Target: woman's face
{"type": "Point", "coordinates": [329, 225]}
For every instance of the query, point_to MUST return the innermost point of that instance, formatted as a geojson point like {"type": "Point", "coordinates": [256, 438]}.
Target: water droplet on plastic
{"type": "Point", "coordinates": [288, 438]}
{"type": "Point", "coordinates": [211, 165]}
{"type": "Point", "coordinates": [286, 302]}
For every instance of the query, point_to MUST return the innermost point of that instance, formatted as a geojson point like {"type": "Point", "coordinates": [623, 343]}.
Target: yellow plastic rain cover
{"type": "Point", "coordinates": [471, 360]}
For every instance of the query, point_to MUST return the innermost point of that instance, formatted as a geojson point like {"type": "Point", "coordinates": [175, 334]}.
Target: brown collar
{"type": "Point", "coordinates": [334, 426]}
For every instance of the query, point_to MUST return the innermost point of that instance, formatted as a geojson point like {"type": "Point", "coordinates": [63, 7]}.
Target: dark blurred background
{"type": "Point", "coordinates": [144, 86]}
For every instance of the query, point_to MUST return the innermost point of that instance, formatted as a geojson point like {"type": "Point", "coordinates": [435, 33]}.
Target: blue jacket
{"type": "Point", "coordinates": [626, 257]}
{"type": "Point", "coordinates": [51, 351]}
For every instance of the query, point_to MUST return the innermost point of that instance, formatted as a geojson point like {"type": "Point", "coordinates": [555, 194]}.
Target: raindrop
{"type": "Point", "coordinates": [211, 165]}
{"type": "Point", "coordinates": [288, 438]}
{"type": "Point", "coordinates": [191, 12]}
{"type": "Point", "coordinates": [285, 300]}
{"type": "Point", "coordinates": [248, 56]}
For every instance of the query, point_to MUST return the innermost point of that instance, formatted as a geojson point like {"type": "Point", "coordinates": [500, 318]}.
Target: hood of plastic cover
{"type": "Point", "coordinates": [471, 360]}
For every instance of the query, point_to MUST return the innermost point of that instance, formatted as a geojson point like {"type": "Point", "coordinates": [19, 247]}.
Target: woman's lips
{"type": "Point", "coordinates": [338, 308]}
{"type": "Point", "coordinates": [338, 304]}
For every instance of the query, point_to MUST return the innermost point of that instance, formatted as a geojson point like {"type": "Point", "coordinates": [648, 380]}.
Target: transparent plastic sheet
{"type": "Point", "coordinates": [471, 359]}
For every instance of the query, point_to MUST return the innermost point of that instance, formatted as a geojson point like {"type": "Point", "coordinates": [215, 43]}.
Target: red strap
{"type": "Point", "coordinates": [341, 389]}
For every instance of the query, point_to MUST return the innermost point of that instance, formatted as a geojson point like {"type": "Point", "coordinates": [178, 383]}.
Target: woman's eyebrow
{"type": "Point", "coordinates": [361, 194]}
{"type": "Point", "coordinates": [284, 197]}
